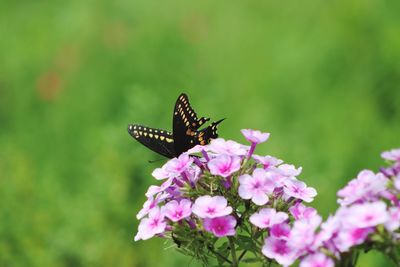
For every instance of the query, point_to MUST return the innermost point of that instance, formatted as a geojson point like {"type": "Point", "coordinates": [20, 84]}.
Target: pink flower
{"type": "Point", "coordinates": [366, 215]}
{"type": "Point", "coordinates": [329, 228]}
{"type": "Point", "coordinates": [255, 136]}
{"type": "Point", "coordinates": [302, 236]}
{"type": "Point", "coordinates": [366, 186]}
{"type": "Point", "coordinates": [393, 154]}
{"type": "Point", "coordinates": [220, 146]}
{"type": "Point", "coordinates": [220, 226]}
{"type": "Point", "coordinates": [299, 189]}
{"type": "Point", "coordinates": [289, 170]}
{"type": "Point", "coordinates": [153, 189]}
{"type": "Point", "coordinates": [150, 203]}
{"type": "Point", "coordinates": [192, 173]}
{"type": "Point", "coordinates": [392, 170]}
{"type": "Point", "coordinates": [176, 166]}
{"type": "Point", "coordinates": [317, 260]}
{"type": "Point", "coordinates": [393, 223]}
{"type": "Point", "coordinates": [277, 177]}
{"type": "Point", "coordinates": [265, 218]}
{"type": "Point", "coordinates": [197, 149]}
{"type": "Point", "coordinates": [256, 187]}
{"type": "Point", "coordinates": [177, 211]}
{"type": "Point", "coordinates": [281, 231]}
{"type": "Point", "coordinates": [350, 237]}
{"type": "Point", "coordinates": [152, 225]}
{"type": "Point", "coordinates": [356, 223]}
{"type": "Point", "coordinates": [299, 211]}
{"type": "Point", "coordinates": [224, 165]}
{"type": "Point", "coordinates": [279, 250]}
{"type": "Point", "coordinates": [211, 207]}
{"type": "Point", "coordinates": [267, 161]}
{"type": "Point", "coordinates": [160, 173]}
{"type": "Point", "coordinates": [397, 182]}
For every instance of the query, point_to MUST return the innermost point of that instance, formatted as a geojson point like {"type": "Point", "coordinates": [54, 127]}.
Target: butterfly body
{"type": "Point", "coordinates": [185, 135]}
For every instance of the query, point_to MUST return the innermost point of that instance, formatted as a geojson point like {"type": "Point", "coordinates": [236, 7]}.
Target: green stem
{"type": "Point", "coordinates": [394, 257]}
{"type": "Point", "coordinates": [218, 255]}
{"type": "Point", "coordinates": [242, 255]}
{"type": "Point", "coordinates": [233, 252]}
{"type": "Point", "coordinates": [347, 259]}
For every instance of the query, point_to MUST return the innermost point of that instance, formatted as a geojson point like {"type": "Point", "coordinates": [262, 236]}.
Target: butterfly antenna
{"type": "Point", "coordinates": [154, 161]}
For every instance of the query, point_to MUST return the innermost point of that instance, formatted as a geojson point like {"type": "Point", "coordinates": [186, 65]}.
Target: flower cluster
{"type": "Point", "coordinates": [221, 201]}
{"type": "Point", "coordinates": [368, 218]}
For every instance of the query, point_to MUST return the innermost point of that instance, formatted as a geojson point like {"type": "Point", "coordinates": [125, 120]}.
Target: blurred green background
{"type": "Point", "coordinates": [322, 77]}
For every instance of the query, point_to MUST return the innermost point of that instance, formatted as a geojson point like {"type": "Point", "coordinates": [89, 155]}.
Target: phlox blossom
{"type": "Point", "coordinates": [267, 217]}
{"type": "Point", "coordinates": [329, 229]}
{"type": "Point", "coordinates": [220, 226]}
{"type": "Point", "coordinates": [366, 215]}
{"type": "Point", "coordinates": [255, 136]}
{"type": "Point", "coordinates": [298, 189]}
{"type": "Point", "coordinates": [174, 167]}
{"type": "Point", "coordinates": [302, 236]}
{"type": "Point", "coordinates": [224, 165]}
{"type": "Point", "coordinates": [366, 186]}
{"type": "Point", "coordinates": [393, 223]}
{"type": "Point", "coordinates": [176, 211]}
{"type": "Point", "coordinates": [150, 203]}
{"type": "Point", "coordinates": [229, 147]}
{"type": "Point", "coordinates": [211, 207]}
{"type": "Point", "coordinates": [317, 260]}
{"type": "Point", "coordinates": [281, 230]}
{"type": "Point", "coordinates": [152, 225]}
{"type": "Point", "coordinates": [256, 186]}
{"type": "Point", "coordinates": [154, 189]}
{"type": "Point", "coordinates": [267, 161]}
{"type": "Point", "coordinates": [393, 154]}
{"type": "Point", "coordinates": [178, 165]}
{"type": "Point", "coordinates": [349, 237]}
{"type": "Point", "coordinates": [397, 182]}
{"type": "Point", "coordinates": [300, 211]}
{"type": "Point", "coordinates": [289, 170]}
{"type": "Point", "coordinates": [280, 250]}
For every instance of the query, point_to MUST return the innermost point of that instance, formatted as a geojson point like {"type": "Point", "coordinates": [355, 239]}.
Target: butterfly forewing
{"type": "Point", "coordinates": [158, 140]}
{"type": "Point", "coordinates": [184, 110]}
{"type": "Point", "coordinates": [184, 118]}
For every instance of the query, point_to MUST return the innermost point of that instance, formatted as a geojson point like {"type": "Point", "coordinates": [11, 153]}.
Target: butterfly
{"type": "Point", "coordinates": [185, 135]}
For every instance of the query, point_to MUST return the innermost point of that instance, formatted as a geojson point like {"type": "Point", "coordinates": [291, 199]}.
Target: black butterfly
{"type": "Point", "coordinates": [185, 134]}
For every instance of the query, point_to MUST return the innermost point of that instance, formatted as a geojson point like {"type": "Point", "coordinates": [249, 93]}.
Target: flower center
{"type": "Point", "coordinates": [178, 213]}
{"type": "Point", "coordinates": [281, 248]}
{"type": "Point", "coordinates": [257, 185]}
{"type": "Point", "coordinates": [210, 210]}
{"type": "Point", "coordinates": [369, 218]}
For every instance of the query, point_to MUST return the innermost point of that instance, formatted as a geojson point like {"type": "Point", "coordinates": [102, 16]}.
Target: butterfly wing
{"type": "Point", "coordinates": [186, 124]}
{"type": "Point", "coordinates": [205, 135]}
{"type": "Point", "coordinates": [160, 141]}
{"type": "Point", "coordinates": [184, 110]}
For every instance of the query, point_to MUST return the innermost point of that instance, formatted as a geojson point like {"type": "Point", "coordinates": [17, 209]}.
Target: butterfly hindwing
{"type": "Point", "coordinates": [204, 136]}
{"type": "Point", "coordinates": [158, 140]}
